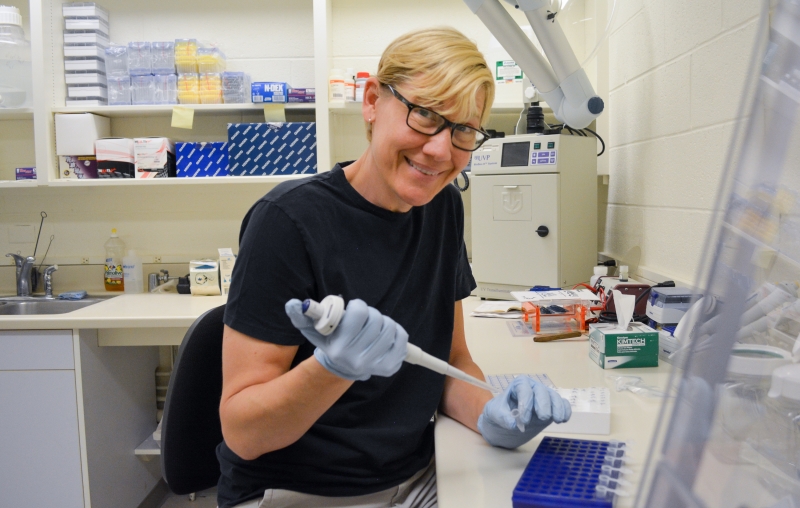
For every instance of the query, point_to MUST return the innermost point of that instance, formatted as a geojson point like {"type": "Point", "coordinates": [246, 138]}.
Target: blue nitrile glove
{"type": "Point", "coordinates": [538, 405]}
{"type": "Point", "coordinates": [366, 343]}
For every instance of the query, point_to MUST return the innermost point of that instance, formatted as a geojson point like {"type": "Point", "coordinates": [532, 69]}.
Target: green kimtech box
{"type": "Point", "coordinates": [612, 348]}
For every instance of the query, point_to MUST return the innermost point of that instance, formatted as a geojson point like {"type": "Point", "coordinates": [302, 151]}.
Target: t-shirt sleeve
{"type": "Point", "coordinates": [272, 267]}
{"type": "Point", "coordinates": [465, 282]}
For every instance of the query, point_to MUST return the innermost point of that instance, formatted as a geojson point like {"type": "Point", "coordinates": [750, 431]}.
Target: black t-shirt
{"type": "Point", "coordinates": [318, 236]}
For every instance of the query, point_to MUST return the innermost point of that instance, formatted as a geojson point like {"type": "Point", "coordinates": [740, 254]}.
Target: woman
{"type": "Point", "coordinates": [341, 420]}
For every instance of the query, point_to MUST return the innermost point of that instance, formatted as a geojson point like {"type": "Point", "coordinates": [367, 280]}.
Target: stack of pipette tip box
{"type": "Point", "coordinates": [86, 37]}
{"type": "Point", "coordinates": [573, 473]}
{"type": "Point", "coordinates": [142, 73]}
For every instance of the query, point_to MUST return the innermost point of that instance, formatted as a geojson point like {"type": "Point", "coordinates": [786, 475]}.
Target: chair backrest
{"type": "Point", "coordinates": [190, 426]}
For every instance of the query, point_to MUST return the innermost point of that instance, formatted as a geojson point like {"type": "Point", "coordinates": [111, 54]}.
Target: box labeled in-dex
{"type": "Point", "coordinates": [154, 157]}
{"type": "Point", "coordinates": [612, 348]}
{"type": "Point", "coordinates": [77, 166]}
{"type": "Point", "coordinates": [259, 149]}
{"type": "Point", "coordinates": [268, 91]}
{"type": "Point", "coordinates": [202, 159]}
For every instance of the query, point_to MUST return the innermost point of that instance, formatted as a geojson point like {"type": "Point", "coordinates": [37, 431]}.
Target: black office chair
{"type": "Point", "coordinates": [190, 426]}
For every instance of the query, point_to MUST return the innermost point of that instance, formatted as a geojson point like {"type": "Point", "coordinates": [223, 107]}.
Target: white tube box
{"type": "Point", "coordinates": [76, 133]}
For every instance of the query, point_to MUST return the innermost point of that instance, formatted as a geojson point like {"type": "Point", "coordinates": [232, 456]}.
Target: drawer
{"type": "Point", "coordinates": [36, 350]}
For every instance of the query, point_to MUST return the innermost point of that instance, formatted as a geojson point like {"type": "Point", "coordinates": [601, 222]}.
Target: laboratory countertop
{"type": "Point", "coordinates": [124, 311]}
{"type": "Point", "coordinates": [471, 473]}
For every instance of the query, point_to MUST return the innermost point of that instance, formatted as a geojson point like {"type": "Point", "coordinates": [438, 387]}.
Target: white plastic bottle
{"type": "Point", "coordinates": [16, 82]}
{"type": "Point", "coordinates": [336, 92]}
{"type": "Point", "coordinates": [133, 273]}
{"type": "Point", "coordinates": [113, 275]}
{"type": "Point", "coordinates": [623, 273]}
{"type": "Point", "coordinates": [599, 271]}
{"type": "Point", "coordinates": [361, 82]}
{"type": "Point", "coordinates": [349, 85]}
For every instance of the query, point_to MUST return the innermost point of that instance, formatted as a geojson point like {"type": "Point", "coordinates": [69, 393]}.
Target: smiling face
{"type": "Point", "coordinates": [403, 168]}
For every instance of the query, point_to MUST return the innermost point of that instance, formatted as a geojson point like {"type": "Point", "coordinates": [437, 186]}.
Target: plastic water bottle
{"type": "Point", "coordinates": [16, 83]}
{"type": "Point", "coordinates": [132, 273]}
{"type": "Point", "coordinates": [113, 276]}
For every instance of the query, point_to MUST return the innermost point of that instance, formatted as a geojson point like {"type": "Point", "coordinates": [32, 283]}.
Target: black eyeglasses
{"type": "Point", "coordinates": [430, 123]}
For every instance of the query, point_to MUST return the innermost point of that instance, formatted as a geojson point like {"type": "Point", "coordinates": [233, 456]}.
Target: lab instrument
{"type": "Point", "coordinates": [562, 83]}
{"type": "Point", "coordinates": [523, 189]}
{"type": "Point", "coordinates": [668, 305]}
{"type": "Point", "coordinates": [328, 313]}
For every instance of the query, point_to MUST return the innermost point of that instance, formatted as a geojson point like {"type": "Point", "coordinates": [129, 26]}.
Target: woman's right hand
{"type": "Point", "coordinates": [366, 343]}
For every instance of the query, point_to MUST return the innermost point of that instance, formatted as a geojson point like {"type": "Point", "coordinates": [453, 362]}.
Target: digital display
{"type": "Point", "coordinates": [515, 154]}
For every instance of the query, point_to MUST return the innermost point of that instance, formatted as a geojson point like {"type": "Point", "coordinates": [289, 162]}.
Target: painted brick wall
{"type": "Point", "coordinates": [677, 72]}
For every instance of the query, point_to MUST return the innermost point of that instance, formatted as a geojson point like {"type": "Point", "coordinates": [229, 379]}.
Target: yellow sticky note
{"type": "Point", "coordinates": [182, 118]}
{"type": "Point", "coordinates": [274, 113]}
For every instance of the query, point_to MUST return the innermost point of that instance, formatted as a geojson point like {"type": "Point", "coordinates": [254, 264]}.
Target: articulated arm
{"type": "Point", "coordinates": [561, 82]}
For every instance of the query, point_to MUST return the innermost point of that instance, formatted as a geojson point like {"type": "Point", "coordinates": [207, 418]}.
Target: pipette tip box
{"type": "Point", "coordinates": [563, 473]}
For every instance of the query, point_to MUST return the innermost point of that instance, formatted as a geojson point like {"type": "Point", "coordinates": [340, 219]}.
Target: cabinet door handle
{"type": "Point", "coordinates": [510, 186]}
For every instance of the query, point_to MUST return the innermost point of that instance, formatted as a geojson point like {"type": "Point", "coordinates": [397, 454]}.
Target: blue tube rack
{"type": "Point", "coordinates": [563, 473]}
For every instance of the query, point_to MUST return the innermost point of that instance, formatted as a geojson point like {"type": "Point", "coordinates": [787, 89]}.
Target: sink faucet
{"type": "Point", "coordinates": [48, 281]}
{"type": "Point", "coordinates": [24, 267]}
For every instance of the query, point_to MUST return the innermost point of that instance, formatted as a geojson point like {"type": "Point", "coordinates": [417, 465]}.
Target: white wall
{"type": "Point", "coordinates": [676, 76]}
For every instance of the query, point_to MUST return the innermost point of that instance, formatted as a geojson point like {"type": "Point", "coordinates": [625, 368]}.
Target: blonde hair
{"type": "Point", "coordinates": [444, 70]}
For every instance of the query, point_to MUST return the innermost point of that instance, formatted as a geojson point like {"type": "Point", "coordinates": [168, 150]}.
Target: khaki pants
{"type": "Point", "coordinates": [419, 491]}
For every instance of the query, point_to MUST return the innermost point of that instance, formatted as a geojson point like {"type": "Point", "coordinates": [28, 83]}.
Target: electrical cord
{"type": "Point", "coordinates": [466, 182]}
{"type": "Point", "coordinates": [516, 127]}
{"type": "Point", "coordinates": [603, 143]}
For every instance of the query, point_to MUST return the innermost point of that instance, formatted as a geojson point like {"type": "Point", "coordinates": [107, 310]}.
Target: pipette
{"type": "Point", "coordinates": [328, 313]}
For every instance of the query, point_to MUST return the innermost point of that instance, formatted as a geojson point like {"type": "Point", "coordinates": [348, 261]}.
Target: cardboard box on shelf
{"type": "Point", "coordinates": [115, 158]}
{"type": "Point", "coordinates": [25, 173]}
{"type": "Point", "coordinates": [76, 133]}
{"type": "Point", "coordinates": [77, 167]}
{"type": "Point", "coordinates": [154, 157]}
{"type": "Point", "coordinates": [202, 159]}
{"type": "Point", "coordinates": [268, 91]}
{"type": "Point", "coordinates": [281, 148]}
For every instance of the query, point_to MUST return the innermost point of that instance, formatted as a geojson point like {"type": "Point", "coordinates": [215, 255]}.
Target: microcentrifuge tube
{"type": "Point", "coordinates": [615, 472]}
{"type": "Point", "coordinates": [603, 492]}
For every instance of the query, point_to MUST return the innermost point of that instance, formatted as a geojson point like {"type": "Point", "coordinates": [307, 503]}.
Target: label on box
{"type": "Point", "coordinates": [612, 348]}
{"type": "Point", "coordinates": [77, 166]}
{"type": "Point", "coordinates": [25, 173]}
{"type": "Point", "coordinates": [202, 159]}
{"type": "Point", "coordinates": [204, 277]}
{"type": "Point", "coordinates": [271, 91]}
{"type": "Point", "coordinates": [258, 149]}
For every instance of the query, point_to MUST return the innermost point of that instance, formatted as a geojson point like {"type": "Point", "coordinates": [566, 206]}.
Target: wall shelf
{"type": "Point", "coordinates": [15, 184]}
{"type": "Point", "coordinates": [199, 109]}
{"type": "Point", "coordinates": [16, 114]}
{"type": "Point", "coordinates": [211, 180]}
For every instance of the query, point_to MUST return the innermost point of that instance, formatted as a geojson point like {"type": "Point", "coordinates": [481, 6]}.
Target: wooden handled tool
{"type": "Point", "coordinates": [556, 336]}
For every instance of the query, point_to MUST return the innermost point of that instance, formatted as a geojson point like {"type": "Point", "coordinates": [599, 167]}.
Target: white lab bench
{"type": "Point", "coordinates": [107, 406]}
{"type": "Point", "coordinates": [472, 474]}
{"type": "Point", "coordinates": [75, 411]}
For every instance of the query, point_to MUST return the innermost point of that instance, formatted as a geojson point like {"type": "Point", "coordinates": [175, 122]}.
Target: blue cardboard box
{"type": "Point", "coordinates": [268, 91]}
{"type": "Point", "coordinates": [281, 148]}
{"type": "Point", "coordinates": [202, 159]}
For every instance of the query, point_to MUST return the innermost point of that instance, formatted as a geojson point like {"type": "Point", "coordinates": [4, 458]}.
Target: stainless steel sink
{"type": "Point", "coordinates": [18, 306]}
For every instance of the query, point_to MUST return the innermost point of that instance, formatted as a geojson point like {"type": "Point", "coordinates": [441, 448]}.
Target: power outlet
{"type": "Point", "coordinates": [156, 259]}
{"type": "Point", "coordinates": [84, 261]}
